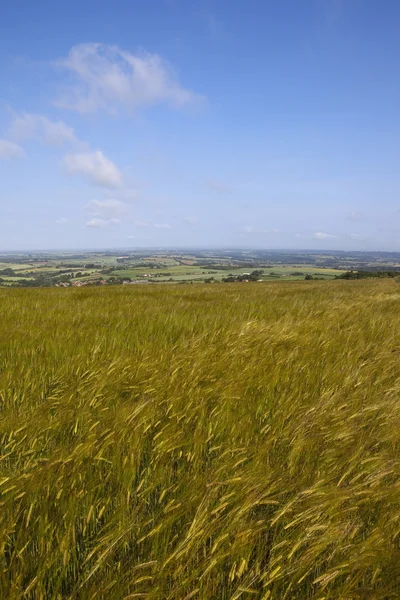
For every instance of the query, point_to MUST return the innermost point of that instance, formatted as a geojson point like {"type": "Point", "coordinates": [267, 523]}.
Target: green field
{"type": "Point", "coordinates": [212, 442]}
{"type": "Point", "coordinates": [8, 281]}
{"type": "Point", "coordinates": [192, 272]}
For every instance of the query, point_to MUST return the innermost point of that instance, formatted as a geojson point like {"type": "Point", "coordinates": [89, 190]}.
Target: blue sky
{"type": "Point", "coordinates": [257, 123]}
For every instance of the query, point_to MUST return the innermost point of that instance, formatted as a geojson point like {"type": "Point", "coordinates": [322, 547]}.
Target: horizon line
{"type": "Point", "coordinates": [195, 248]}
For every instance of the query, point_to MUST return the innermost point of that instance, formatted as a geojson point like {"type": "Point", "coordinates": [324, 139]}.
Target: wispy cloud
{"type": "Point", "coordinates": [102, 223]}
{"type": "Point", "coordinates": [320, 235]}
{"type": "Point", "coordinates": [250, 230]}
{"type": "Point", "coordinates": [106, 208]}
{"type": "Point", "coordinates": [95, 168]}
{"type": "Point", "coordinates": [109, 78]}
{"type": "Point", "coordinates": [10, 149]}
{"type": "Point", "coordinates": [53, 133]}
{"type": "Point", "coordinates": [162, 226]}
{"type": "Point", "coordinates": [105, 213]}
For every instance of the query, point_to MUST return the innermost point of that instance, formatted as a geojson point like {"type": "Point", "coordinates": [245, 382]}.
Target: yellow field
{"type": "Point", "coordinates": [206, 442]}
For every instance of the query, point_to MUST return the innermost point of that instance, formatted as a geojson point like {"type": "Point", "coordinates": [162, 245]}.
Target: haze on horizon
{"type": "Point", "coordinates": [225, 124]}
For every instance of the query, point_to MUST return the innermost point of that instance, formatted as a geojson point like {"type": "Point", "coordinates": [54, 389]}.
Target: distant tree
{"type": "Point", "coordinates": [8, 272]}
{"type": "Point", "coordinates": [308, 277]}
{"type": "Point", "coordinates": [254, 275]}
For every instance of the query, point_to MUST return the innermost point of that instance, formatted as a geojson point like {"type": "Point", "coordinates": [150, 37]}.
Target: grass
{"type": "Point", "coordinates": [206, 442]}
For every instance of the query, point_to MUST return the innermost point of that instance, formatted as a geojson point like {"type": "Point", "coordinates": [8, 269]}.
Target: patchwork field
{"type": "Point", "coordinates": [212, 442]}
{"type": "Point", "coordinates": [198, 274]}
{"type": "Point", "coordinates": [48, 269]}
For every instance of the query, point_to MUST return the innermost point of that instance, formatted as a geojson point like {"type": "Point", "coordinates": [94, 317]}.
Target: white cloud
{"type": "Point", "coordinates": [107, 78]}
{"type": "Point", "coordinates": [356, 236]}
{"type": "Point", "coordinates": [53, 133]}
{"type": "Point", "coordinates": [62, 221]}
{"type": "Point", "coordinates": [95, 167]}
{"type": "Point", "coordinates": [106, 209]}
{"type": "Point", "coordinates": [105, 213]}
{"type": "Point", "coordinates": [162, 226]}
{"type": "Point", "coordinates": [320, 235]}
{"type": "Point", "coordinates": [9, 149]}
{"type": "Point", "coordinates": [249, 230]}
{"type": "Point", "coordinates": [142, 224]}
{"type": "Point", "coordinates": [102, 223]}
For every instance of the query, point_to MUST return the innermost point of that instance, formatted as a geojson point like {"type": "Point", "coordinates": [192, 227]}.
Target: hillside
{"type": "Point", "coordinates": [212, 442]}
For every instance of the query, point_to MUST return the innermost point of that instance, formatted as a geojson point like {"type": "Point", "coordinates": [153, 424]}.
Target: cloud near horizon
{"type": "Point", "coordinates": [250, 230]}
{"type": "Point", "coordinates": [320, 235]}
{"type": "Point", "coordinates": [102, 223]}
{"type": "Point", "coordinates": [108, 78]}
{"type": "Point", "coordinates": [105, 213]}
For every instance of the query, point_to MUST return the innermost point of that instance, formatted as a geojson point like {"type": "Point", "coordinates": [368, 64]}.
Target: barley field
{"type": "Point", "coordinates": [209, 442]}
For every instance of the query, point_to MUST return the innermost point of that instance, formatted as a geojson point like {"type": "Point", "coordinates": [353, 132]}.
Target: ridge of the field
{"type": "Point", "coordinates": [207, 442]}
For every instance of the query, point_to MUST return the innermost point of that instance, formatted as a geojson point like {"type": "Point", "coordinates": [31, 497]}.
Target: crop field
{"type": "Point", "coordinates": [198, 274]}
{"type": "Point", "coordinates": [206, 442]}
